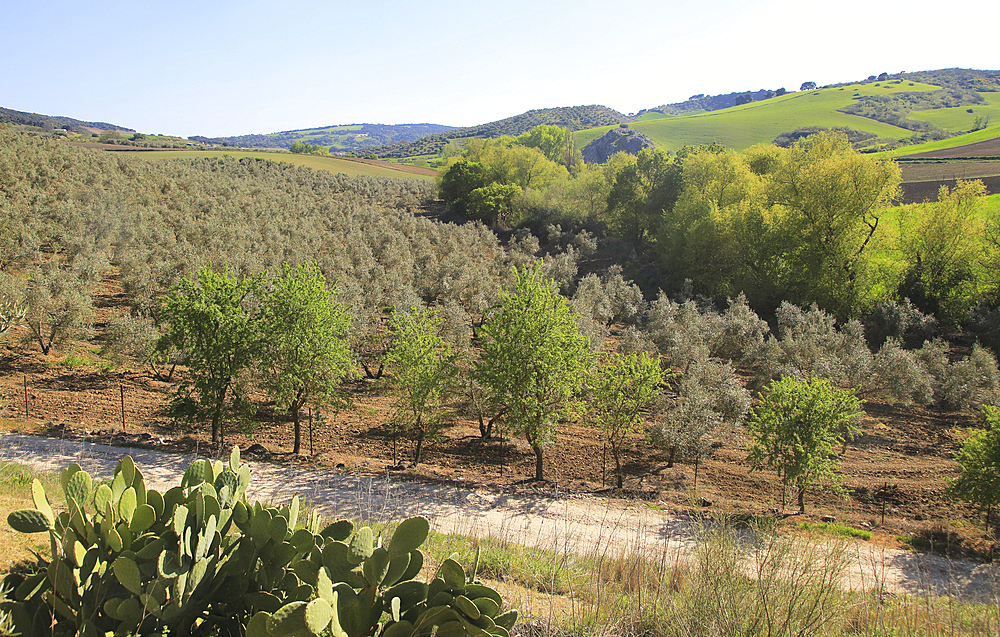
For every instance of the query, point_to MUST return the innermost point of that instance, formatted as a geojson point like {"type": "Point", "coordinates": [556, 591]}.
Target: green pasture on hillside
{"type": "Point", "coordinates": [332, 164]}
{"type": "Point", "coordinates": [959, 118]}
{"type": "Point", "coordinates": [760, 122]}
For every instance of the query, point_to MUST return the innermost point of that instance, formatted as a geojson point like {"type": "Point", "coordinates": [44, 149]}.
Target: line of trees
{"type": "Point", "coordinates": [535, 369]}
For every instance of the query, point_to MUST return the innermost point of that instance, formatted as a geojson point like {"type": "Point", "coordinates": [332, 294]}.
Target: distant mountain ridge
{"type": "Point", "coordinates": [572, 117]}
{"type": "Point", "coordinates": [346, 138]}
{"type": "Point", "coordinates": [8, 116]}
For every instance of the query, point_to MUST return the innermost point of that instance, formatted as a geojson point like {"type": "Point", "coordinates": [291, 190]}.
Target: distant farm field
{"type": "Point", "coordinates": [940, 170]}
{"type": "Point", "coordinates": [760, 122]}
{"type": "Point", "coordinates": [985, 135]}
{"type": "Point", "coordinates": [349, 166]}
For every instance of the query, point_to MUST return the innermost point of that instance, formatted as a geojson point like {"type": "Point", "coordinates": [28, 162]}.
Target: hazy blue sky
{"type": "Point", "coordinates": [226, 67]}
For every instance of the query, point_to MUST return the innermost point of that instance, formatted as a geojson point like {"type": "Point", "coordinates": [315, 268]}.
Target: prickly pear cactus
{"type": "Point", "coordinates": [126, 560]}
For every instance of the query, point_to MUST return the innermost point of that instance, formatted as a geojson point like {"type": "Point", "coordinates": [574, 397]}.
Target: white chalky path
{"type": "Point", "coordinates": [575, 524]}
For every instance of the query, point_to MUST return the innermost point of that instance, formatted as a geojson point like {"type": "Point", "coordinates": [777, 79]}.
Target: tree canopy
{"type": "Point", "coordinates": [979, 465]}
{"type": "Point", "coordinates": [533, 359]}
{"type": "Point", "coordinates": [423, 370]}
{"type": "Point", "coordinates": [304, 348]}
{"type": "Point", "coordinates": [208, 318]}
{"type": "Point", "coordinates": [796, 427]}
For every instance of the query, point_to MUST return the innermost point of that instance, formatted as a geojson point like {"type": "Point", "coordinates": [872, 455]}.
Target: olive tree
{"type": "Point", "coordinates": [12, 306]}
{"type": "Point", "coordinates": [533, 359]}
{"type": "Point", "coordinates": [796, 427]}
{"type": "Point", "coordinates": [58, 306]}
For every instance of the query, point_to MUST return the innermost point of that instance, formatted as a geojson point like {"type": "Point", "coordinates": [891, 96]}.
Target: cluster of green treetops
{"type": "Point", "coordinates": [812, 223]}
{"type": "Point", "coordinates": [305, 148]}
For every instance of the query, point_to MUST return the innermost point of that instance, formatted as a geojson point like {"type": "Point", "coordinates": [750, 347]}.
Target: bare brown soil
{"type": "Point", "coordinates": [986, 148]}
{"type": "Point", "coordinates": [406, 168]}
{"type": "Point", "coordinates": [897, 468]}
{"type": "Point", "coordinates": [925, 173]}
{"type": "Point", "coordinates": [922, 191]}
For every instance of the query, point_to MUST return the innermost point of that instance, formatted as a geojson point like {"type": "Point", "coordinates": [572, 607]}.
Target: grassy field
{"type": "Point", "coordinates": [760, 122]}
{"type": "Point", "coordinates": [345, 165]}
{"type": "Point", "coordinates": [15, 493]}
{"type": "Point", "coordinates": [959, 118]}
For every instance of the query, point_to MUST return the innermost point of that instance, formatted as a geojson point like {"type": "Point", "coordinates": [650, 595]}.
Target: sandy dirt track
{"type": "Point", "coordinates": [574, 523]}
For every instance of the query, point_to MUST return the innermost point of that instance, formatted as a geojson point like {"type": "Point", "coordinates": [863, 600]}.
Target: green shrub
{"type": "Point", "coordinates": [835, 529]}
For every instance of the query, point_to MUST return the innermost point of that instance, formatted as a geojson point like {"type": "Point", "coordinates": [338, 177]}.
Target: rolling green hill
{"type": "Point", "coordinates": [761, 122]}
{"type": "Point", "coordinates": [985, 134]}
{"type": "Point", "coordinates": [894, 111]}
{"type": "Point", "coordinates": [347, 138]}
{"type": "Point", "coordinates": [572, 117]}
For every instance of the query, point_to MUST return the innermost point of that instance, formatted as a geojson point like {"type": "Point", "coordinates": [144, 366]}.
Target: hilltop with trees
{"type": "Point", "coordinates": [572, 118]}
{"type": "Point", "coordinates": [8, 116]}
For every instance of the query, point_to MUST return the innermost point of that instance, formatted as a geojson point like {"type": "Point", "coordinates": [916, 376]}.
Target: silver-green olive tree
{"type": "Point", "coordinates": [305, 354]}
{"type": "Point", "coordinates": [58, 306]}
{"type": "Point", "coordinates": [533, 360]}
{"type": "Point", "coordinates": [209, 318]}
{"type": "Point", "coordinates": [423, 370]}
{"type": "Point", "coordinates": [796, 428]}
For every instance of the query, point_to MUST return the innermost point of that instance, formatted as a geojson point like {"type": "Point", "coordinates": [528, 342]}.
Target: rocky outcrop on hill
{"type": "Point", "coordinates": [614, 141]}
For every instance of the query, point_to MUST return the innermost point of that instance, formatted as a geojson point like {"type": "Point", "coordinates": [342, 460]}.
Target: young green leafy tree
{"type": "Point", "coordinates": [796, 428]}
{"type": "Point", "coordinates": [979, 465]}
{"type": "Point", "coordinates": [941, 250]}
{"type": "Point", "coordinates": [304, 348]}
{"type": "Point", "coordinates": [209, 319]}
{"type": "Point", "coordinates": [533, 359]}
{"type": "Point", "coordinates": [423, 370]}
{"type": "Point", "coordinates": [620, 389]}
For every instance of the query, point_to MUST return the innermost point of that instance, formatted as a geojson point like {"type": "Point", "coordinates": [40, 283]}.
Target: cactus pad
{"type": "Point", "coordinates": [28, 521]}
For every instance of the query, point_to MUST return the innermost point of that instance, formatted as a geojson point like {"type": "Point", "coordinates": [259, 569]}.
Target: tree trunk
{"type": "Point", "coordinates": [537, 448]}
{"type": "Point", "coordinates": [220, 406]}
{"type": "Point", "coordinates": [618, 466]}
{"type": "Point", "coordinates": [295, 407]}
{"type": "Point", "coordinates": [670, 458]}
{"type": "Point", "coordinates": [420, 444]}
{"type": "Point", "coordinates": [297, 445]}
{"type": "Point", "coordinates": [802, 499]}
{"type": "Point", "coordinates": [485, 428]}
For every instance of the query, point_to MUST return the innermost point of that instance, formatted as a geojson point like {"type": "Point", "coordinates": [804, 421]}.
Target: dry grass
{"type": "Point", "coordinates": [15, 493]}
